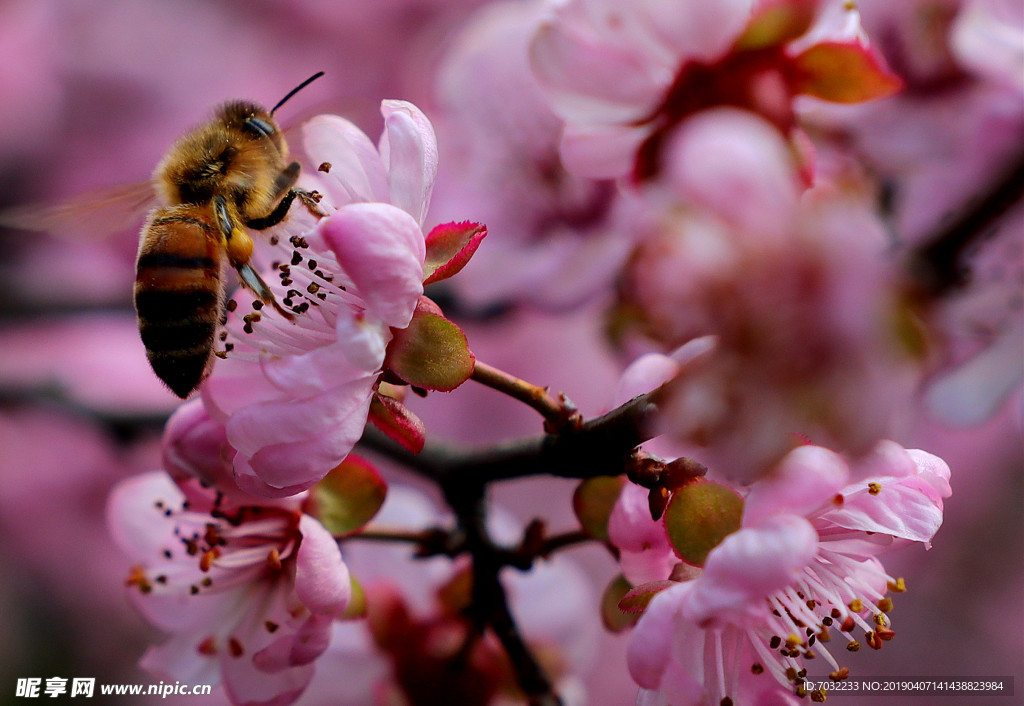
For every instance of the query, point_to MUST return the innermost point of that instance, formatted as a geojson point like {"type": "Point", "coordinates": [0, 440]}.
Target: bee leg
{"type": "Point", "coordinates": [285, 184]}
{"type": "Point", "coordinates": [254, 283]}
{"type": "Point", "coordinates": [239, 248]}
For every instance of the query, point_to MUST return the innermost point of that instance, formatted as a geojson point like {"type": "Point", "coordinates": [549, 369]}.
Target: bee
{"type": "Point", "coordinates": [224, 177]}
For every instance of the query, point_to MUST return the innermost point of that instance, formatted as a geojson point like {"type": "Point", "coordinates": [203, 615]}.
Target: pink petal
{"type": "Point", "coordinates": [136, 528]}
{"type": "Point", "coordinates": [749, 565]}
{"type": "Point", "coordinates": [738, 166]}
{"type": "Point", "coordinates": [248, 686]}
{"type": "Point", "coordinates": [248, 482]}
{"type": "Point", "coordinates": [591, 80]}
{"type": "Point", "coordinates": [902, 507]}
{"type": "Point", "coordinates": [357, 172]}
{"type": "Point", "coordinates": [297, 648]}
{"type": "Point", "coordinates": [327, 366]}
{"type": "Point", "coordinates": [600, 151]}
{"type": "Point", "coordinates": [887, 458]}
{"type": "Point", "coordinates": [645, 552]}
{"type": "Point", "coordinates": [322, 581]}
{"type": "Point", "coordinates": [409, 148]}
{"type": "Point", "coordinates": [178, 659]}
{"type": "Point", "coordinates": [364, 341]}
{"type": "Point", "coordinates": [806, 478]}
{"type": "Point", "coordinates": [643, 375]}
{"type": "Point", "coordinates": [297, 442]}
{"type": "Point", "coordinates": [934, 471]}
{"type": "Point", "coordinates": [650, 645]}
{"type": "Point", "coordinates": [381, 248]}
{"type": "Point", "coordinates": [237, 383]}
{"type": "Point", "coordinates": [696, 30]}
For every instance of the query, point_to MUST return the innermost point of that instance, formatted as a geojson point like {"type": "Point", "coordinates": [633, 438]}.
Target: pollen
{"type": "Point", "coordinates": [874, 488]}
{"type": "Point", "coordinates": [274, 559]}
{"type": "Point", "coordinates": [206, 561]}
{"type": "Point", "coordinates": [235, 647]}
{"type": "Point", "coordinates": [137, 578]}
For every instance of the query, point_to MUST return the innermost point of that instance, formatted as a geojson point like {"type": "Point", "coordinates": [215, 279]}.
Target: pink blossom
{"type": "Point", "coordinates": [645, 553]}
{"type": "Point", "coordinates": [988, 36]}
{"type": "Point", "coordinates": [294, 394]}
{"type": "Point", "coordinates": [804, 563]}
{"type": "Point", "coordinates": [247, 594]}
{"type": "Point", "coordinates": [551, 242]}
{"type": "Point", "coordinates": [794, 289]}
{"type": "Point", "coordinates": [935, 146]}
{"type": "Point", "coordinates": [624, 76]}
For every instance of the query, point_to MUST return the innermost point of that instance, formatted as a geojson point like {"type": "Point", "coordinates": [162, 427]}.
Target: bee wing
{"type": "Point", "coordinates": [89, 216]}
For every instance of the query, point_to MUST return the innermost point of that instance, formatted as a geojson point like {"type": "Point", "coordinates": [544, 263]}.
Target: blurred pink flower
{"type": "Point", "coordinates": [988, 37]}
{"type": "Point", "coordinates": [624, 76]}
{"type": "Point", "coordinates": [294, 394]}
{"type": "Point", "coordinates": [803, 563]}
{"type": "Point", "coordinates": [550, 239]}
{"type": "Point", "coordinates": [248, 594]}
{"type": "Point", "coordinates": [807, 316]}
{"type": "Point", "coordinates": [935, 147]}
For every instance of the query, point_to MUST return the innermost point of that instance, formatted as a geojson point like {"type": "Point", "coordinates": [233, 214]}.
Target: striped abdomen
{"type": "Point", "coordinates": [179, 294]}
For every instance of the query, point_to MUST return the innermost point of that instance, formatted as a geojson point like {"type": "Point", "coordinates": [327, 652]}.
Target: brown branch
{"type": "Point", "coordinates": [600, 447]}
{"type": "Point", "coordinates": [559, 413]}
{"type": "Point", "coordinates": [938, 264]}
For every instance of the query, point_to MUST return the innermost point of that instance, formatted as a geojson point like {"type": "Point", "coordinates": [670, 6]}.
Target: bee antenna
{"type": "Point", "coordinates": [295, 90]}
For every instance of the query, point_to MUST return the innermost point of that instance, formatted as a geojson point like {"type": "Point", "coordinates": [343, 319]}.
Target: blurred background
{"type": "Point", "coordinates": [93, 92]}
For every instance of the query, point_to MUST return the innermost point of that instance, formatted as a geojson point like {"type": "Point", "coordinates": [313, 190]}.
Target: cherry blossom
{"type": "Point", "coordinates": [294, 394]}
{"type": "Point", "coordinates": [623, 77]}
{"type": "Point", "coordinates": [502, 168]}
{"type": "Point", "coordinates": [811, 333]}
{"type": "Point", "coordinates": [803, 564]}
{"type": "Point", "coordinates": [247, 594]}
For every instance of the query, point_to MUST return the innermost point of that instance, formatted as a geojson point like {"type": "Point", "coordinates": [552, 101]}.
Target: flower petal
{"type": "Point", "coordinates": [650, 645]}
{"type": "Point", "coordinates": [807, 478]}
{"type": "Point", "coordinates": [600, 151]}
{"type": "Point", "coordinates": [297, 442]}
{"type": "Point", "coordinates": [381, 248]}
{"type": "Point", "coordinates": [322, 581]}
{"type": "Point", "coordinates": [357, 172]}
{"type": "Point", "coordinates": [409, 148]}
{"type": "Point", "coordinates": [589, 79]}
{"type": "Point", "coordinates": [748, 566]}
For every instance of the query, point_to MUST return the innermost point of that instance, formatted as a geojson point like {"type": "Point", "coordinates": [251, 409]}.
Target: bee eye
{"type": "Point", "coordinates": [261, 127]}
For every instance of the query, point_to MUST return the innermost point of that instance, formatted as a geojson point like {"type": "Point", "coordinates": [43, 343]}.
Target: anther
{"type": "Point", "coordinates": [208, 646]}
{"type": "Point", "coordinates": [899, 586]}
{"type": "Point", "coordinates": [235, 647]}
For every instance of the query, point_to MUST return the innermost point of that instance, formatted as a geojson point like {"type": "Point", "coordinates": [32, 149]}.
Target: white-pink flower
{"type": "Point", "coordinates": [248, 594]}
{"type": "Point", "coordinates": [803, 564]}
{"type": "Point", "coordinates": [294, 394]}
{"type": "Point", "coordinates": [624, 75]}
{"type": "Point", "coordinates": [550, 239]}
